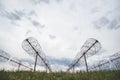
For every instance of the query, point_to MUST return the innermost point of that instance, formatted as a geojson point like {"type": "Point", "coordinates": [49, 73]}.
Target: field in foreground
{"type": "Point", "coordinates": [27, 75]}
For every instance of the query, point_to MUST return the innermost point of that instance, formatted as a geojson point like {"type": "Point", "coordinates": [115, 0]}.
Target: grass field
{"type": "Point", "coordinates": [28, 75]}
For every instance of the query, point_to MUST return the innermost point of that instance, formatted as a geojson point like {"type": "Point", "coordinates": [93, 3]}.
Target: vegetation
{"type": "Point", "coordinates": [28, 75]}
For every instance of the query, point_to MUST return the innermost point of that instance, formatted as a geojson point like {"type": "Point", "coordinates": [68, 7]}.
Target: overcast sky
{"type": "Point", "coordinates": [60, 26]}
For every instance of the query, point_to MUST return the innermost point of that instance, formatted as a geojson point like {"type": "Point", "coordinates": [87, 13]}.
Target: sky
{"type": "Point", "coordinates": [60, 26]}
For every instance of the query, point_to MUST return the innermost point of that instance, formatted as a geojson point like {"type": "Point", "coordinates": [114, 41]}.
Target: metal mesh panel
{"type": "Point", "coordinates": [90, 47]}
{"type": "Point", "coordinates": [30, 43]}
{"type": "Point", "coordinates": [32, 47]}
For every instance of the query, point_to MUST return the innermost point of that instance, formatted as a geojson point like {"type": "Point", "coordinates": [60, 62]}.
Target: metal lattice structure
{"type": "Point", "coordinates": [113, 62]}
{"type": "Point", "coordinates": [18, 63]}
{"type": "Point", "coordinates": [90, 47]}
{"type": "Point", "coordinates": [4, 56]}
{"type": "Point", "coordinates": [33, 48]}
